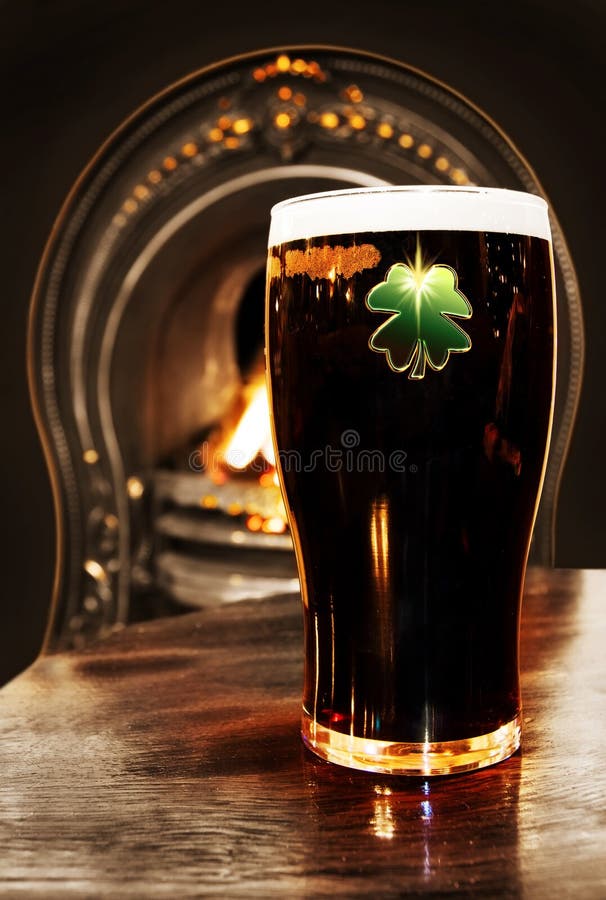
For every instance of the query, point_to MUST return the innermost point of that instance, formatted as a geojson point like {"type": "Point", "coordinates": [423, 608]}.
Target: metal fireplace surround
{"type": "Point", "coordinates": [132, 348]}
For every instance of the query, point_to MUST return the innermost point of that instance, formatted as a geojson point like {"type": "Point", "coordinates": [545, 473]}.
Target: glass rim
{"type": "Point", "coordinates": [507, 195]}
{"type": "Point", "coordinates": [382, 208]}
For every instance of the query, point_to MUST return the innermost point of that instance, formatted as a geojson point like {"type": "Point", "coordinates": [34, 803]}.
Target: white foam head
{"type": "Point", "coordinates": [409, 208]}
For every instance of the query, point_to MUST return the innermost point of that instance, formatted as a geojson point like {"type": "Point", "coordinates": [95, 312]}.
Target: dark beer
{"type": "Point", "coordinates": [411, 443]}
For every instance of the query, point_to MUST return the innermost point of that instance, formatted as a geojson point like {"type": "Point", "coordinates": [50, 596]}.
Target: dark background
{"type": "Point", "coordinates": [73, 69]}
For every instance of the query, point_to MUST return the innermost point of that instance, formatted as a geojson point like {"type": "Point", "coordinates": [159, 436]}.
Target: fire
{"type": "Point", "coordinates": [243, 453]}
{"type": "Point", "coordinates": [253, 433]}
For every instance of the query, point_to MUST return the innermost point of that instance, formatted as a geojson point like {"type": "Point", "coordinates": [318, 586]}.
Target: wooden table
{"type": "Point", "coordinates": [166, 762]}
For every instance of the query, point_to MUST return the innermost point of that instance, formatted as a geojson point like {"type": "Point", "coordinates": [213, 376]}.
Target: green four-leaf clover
{"type": "Point", "coordinates": [420, 330]}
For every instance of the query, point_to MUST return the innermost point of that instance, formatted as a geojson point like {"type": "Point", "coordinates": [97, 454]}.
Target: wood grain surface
{"type": "Point", "coordinates": [166, 762]}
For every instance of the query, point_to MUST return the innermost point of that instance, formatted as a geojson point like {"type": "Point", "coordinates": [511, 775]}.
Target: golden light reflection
{"type": "Point", "coordinates": [284, 93]}
{"type": "Point", "coordinates": [282, 120]}
{"type": "Point", "coordinates": [90, 457]}
{"type": "Point", "coordinates": [385, 130]}
{"type": "Point", "coordinates": [459, 176]}
{"type": "Point", "coordinates": [380, 790]}
{"type": "Point", "coordinates": [189, 149]}
{"type": "Point", "coordinates": [380, 620]}
{"type": "Point", "coordinates": [242, 126]}
{"type": "Point", "coordinates": [425, 151]}
{"type": "Point", "coordinates": [254, 522]}
{"type": "Point", "coordinates": [274, 525]}
{"type": "Point", "coordinates": [111, 521]}
{"type": "Point", "coordinates": [357, 122]}
{"type": "Point", "coordinates": [329, 120]}
{"type": "Point", "coordinates": [135, 487]}
{"type": "Point", "coordinates": [406, 141]}
{"type": "Point", "coordinates": [284, 65]}
{"type": "Point", "coordinates": [95, 570]}
{"type": "Point", "coordinates": [379, 544]}
{"type": "Point", "coordinates": [353, 94]}
{"type": "Point", "coordinates": [382, 821]}
{"type": "Point", "coordinates": [170, 163]}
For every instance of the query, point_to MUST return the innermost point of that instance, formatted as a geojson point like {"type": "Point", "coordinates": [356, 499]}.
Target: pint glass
{"type": "Point", "coordinates": [410, 359]}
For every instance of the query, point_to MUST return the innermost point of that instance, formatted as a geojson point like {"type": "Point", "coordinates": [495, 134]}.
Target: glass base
{"type": "Point", "coordinates": [395, 758]}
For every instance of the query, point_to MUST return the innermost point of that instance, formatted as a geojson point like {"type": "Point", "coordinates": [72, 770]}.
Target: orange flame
{"type": "Point", "coordinates": [253, 433]}
{"type": "Point", "coordinates": [243, 439]}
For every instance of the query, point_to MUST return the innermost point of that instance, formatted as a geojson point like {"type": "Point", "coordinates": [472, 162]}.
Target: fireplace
{"type": "Point", "coordinates": [146, 332]}
{"type": "Point", "coordinates": [220, 526]}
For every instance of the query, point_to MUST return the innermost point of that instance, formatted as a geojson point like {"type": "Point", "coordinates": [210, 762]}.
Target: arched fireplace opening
{"type": "Point", "coordinates": [249, 323]}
